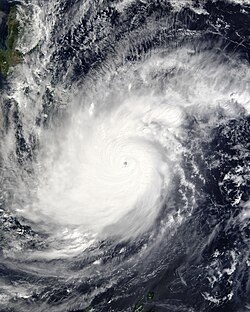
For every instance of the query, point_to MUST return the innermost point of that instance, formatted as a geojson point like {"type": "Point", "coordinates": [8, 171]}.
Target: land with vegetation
{"type": "Point", "coordinates": [9, 55]}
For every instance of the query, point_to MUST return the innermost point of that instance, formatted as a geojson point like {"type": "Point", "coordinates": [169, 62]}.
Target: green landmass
{"type": "Point", "coordinates": [9, 56]}
{"type": "Point", "coordinates": [139, 307]}
{"type": "Point", "coordinates": [150, 295]}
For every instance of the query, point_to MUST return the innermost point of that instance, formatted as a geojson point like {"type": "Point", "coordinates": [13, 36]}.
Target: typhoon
{"type": "Point", "coordinates": [108, 171]}
{"type": "Point", "coordinates": [124, 157]}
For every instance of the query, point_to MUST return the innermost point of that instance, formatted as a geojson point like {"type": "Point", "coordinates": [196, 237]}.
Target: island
{"type": "Point", "coordinates": [9, 31]}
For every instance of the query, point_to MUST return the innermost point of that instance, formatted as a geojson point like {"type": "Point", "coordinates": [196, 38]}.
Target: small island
{"type": "Point", "coordinates": [9, 56]}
